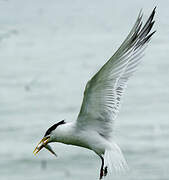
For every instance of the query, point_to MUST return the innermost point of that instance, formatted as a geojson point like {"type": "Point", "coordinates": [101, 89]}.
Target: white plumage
{"type": "Point", "coordinates": [94, 125]}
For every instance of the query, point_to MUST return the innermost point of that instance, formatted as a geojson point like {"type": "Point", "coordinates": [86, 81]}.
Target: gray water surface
{"type": "Point", "coordinates": [48, 51]}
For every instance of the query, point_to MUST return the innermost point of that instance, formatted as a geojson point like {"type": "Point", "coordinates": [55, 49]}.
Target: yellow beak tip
{"type": "Point", "coordinates": [35, 151]}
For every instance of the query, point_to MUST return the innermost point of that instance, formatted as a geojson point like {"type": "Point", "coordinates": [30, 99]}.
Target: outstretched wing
{"type": "Point", "coordinates": [103, 92]}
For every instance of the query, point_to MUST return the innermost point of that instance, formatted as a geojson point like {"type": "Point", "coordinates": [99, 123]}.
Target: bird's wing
{"type": "Point", "coordinates": [103, 92]}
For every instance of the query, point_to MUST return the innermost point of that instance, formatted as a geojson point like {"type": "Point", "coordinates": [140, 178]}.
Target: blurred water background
{"type": "Point", "coordinates": [48, 51]}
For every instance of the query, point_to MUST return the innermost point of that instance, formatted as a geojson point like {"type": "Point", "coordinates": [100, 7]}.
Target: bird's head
{"type": "Point", "coordinates": [48, 137]}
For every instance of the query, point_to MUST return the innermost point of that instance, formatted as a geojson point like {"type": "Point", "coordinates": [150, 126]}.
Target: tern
{"type": "Point", "coordinates": [102, 96]}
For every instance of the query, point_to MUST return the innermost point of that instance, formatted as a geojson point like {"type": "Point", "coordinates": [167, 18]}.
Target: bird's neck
{"type": "Point", "coordinates": [65, 133]}
{"type": "Point", "coordinates": [68, 134]}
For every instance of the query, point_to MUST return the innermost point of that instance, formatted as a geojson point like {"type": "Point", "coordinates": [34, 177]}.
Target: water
{"type": "Point", "coordinates": [48, 51]}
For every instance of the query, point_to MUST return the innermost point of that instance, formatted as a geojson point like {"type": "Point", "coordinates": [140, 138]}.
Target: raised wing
{"type": "Point", "coordinates": [103, 92]}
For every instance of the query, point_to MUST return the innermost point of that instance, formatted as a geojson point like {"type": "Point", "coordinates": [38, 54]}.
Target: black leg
{"type": "Point", "coordinates": [102, 170]}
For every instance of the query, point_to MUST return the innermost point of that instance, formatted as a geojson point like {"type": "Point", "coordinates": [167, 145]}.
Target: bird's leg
{"type": "Point", "coordinates": [102, 170]}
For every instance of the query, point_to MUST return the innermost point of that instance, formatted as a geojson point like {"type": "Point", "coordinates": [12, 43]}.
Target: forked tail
{"type": "Point", "coordinates": [114, 159]}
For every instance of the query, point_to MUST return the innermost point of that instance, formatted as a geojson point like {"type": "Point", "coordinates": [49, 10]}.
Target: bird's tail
{"type": "Point", "coordinates": [114, 159]}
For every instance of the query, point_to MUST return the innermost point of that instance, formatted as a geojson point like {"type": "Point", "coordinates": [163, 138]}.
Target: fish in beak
{"type": "Point", "coordinates": [44, 143]}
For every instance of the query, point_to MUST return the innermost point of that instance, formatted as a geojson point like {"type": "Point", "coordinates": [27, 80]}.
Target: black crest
{"type": "Point", "coordinates": [54, 127]}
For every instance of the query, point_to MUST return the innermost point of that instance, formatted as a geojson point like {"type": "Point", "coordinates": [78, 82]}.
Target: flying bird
{"type": "Point", "coordinates": [102, 96]}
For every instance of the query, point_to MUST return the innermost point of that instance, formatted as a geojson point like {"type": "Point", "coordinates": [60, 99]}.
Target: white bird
{"type": "Point", "coordinates": [94, 125]}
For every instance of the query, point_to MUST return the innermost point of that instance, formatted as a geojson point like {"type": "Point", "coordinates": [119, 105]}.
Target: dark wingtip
{"type": "Point", "coordinates": [152, 33]}
{"type": "Point", "coordinates": [154, 10]}
{"type": "Point", "coordinates": [145, 33]}
{"type": "Point", "coordinates": [152, 23]}
{"type": "Point", "coordinates": [149, 36]}
{"type": "Point", "coordinates": [153, 13]}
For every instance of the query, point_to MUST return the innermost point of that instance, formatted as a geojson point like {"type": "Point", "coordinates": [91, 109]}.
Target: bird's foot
{"type": "Point", "coordinates": [103, 173]}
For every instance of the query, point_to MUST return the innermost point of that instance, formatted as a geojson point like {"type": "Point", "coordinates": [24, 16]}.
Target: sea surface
{"type": "Point", "coordinates": [48, 52]}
